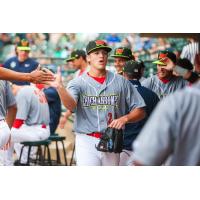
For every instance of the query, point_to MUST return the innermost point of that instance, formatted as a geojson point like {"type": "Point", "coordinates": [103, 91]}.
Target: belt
{"type": "Point", "coordinates": [95, 134]}
{"type": "Point", "coordinates": [44, 126]}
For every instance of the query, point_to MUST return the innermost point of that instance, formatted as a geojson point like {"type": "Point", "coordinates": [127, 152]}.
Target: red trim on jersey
{"type": "Point", "coordinates": [18, 123]}
{"type": "Point", "coordinates": [100, 80]}
{"type": "Point", "coordinates": [164, 80]}
{"type": "Point", "coordinates": [39, 86]}
{"type": "Point", "coordinates": [81, 71]}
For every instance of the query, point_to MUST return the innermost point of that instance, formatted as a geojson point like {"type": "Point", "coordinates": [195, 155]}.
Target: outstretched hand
{"type": "Point", "coordinates": [7, 145]}
{"type": "Point", "coordinates": [169, 65]}
{"type": "Point", "coordinates": [41, 75]}
{"type": "Point", "coordinates": [58, 80]}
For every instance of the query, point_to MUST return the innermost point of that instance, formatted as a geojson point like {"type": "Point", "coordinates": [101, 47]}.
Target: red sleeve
{"type": "Point", "coordinates": [17, 123]}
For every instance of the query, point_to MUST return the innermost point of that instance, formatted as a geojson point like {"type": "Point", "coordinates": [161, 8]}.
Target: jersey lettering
{"type": "Point", "coordinates": [91, 101]}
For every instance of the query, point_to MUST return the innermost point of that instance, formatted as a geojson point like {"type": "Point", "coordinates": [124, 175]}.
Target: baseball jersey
{"type": "Point", "coordinates": [172, 130]}
{"type": "Point", "coordinates": [32, 106]}
{"type": "Point", "coordinates": [79, 72]}
{"type": "Point", "coordinates": [7, 98]}
{"type": "Point", "coordinates": [25, 67]}
{"type": "Point", "coordinates": [142, 79]}
{"type": "Point", "coordinates": [98, 104]}
{"type": "Point", "coordinates": [189, 51]}
{"type": "Point", "coordinates": [164, 89]}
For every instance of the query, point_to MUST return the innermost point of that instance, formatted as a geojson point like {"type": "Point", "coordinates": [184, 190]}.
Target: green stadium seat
{"type": "Point", "coordinates": [39, 145]}
{"type": "Point", "coordinates": [56, 138]}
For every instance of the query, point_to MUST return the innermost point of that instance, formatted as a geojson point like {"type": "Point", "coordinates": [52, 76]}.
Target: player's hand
{"type": "Point", "coordinates": [169, 65]}
{"type": "Point", "coordinates": [7, 145]}
{"type": "Point", "coordinates": [118, 123]}
{"type": "Point", "coordinates": [62, 122]}
{"type": "Point", "coordinates": [58, 80]}
{"type": "Point", "coordinates": [41, 76]}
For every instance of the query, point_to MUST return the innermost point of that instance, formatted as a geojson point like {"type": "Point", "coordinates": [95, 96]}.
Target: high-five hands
{"type": "Point", "coordinates": [41, 75]}
{"type": "Point", "coordinates": [57, 81]}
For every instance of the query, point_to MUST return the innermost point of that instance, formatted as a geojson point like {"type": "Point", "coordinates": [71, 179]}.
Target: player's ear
{"type": "Point", "coordinates": [88, 58]}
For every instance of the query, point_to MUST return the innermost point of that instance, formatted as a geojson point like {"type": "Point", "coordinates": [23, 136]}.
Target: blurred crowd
{"type": "Point", "coordinates": [53, 48]}
{"type": "Point", "coordinates": [59, 45]}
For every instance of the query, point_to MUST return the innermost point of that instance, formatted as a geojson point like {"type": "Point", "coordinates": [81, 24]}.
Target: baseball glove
{"type": "Point", "coordinates": [111, 141]}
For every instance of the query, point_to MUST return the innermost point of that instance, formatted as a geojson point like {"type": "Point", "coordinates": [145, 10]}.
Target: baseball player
{"type": "Point", "coordinates": [164, 82]}
{"type": "Point", "coordinates": [142, 67]}
{"type": "Point", "coordinates": [7, 112]}
{"type": "Point", "coordinates": [121, 55]}
{"type": "Point", "coordinates": [32, 120]}
{"type": "Point", "coordinates": [99, 98]}
{"type": "Point", "coordinates": [184, 69]}
{"type": "Point", "coordinates": [79, 62]}
{"type": "Point", "coordinates": [21, 62]}
{"type": "Point", "coordinates": [132, 71]}
{"type": "Point", "coordinates": [176, 138]}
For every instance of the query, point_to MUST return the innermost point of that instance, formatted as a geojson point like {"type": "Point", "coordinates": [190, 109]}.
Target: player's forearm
{"type": "Point", "coordinates": [11, 114]}
{"type": "Point", "coordinates": [137, 163]}
{"type": "Point", "coordinates": [190, 76]}
{"type": "Point", "coordinates": [135, 115]}
{"type": "Point", "coordinates": [67, 114]}
{"type": "Point", "coordinates": [6, 74]}
{"type": "Point", "coordinates": [67, 100]}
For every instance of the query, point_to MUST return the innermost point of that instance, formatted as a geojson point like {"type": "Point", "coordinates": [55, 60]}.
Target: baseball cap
{"type": "Point", "coordinates": [76, 54]}
{"type": "Point", "coordinates": [23, 45]}
{"type": "Point", "coordinates": [185, 63]}
{"type": "Point", "coordinates": [163, 56]}
{"type": "Point", "coordinates": [97, 44]}
{"type": "Point", "coordinates": [123, 52]}
{"type": "Point", "coordinates": [141, 63]}
{"type": "Point", "coordinates": [132, 67]}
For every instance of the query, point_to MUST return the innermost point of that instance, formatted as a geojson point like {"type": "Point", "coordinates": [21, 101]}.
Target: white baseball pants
{"type": "Point", "coordinates": [4, 133]}
{"type": "Point", "coordinates": [124, 157]}
{"type": "Point", "coordinates": [87, 154]}
{"type": "Point", "coordinates": [25, 134]}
